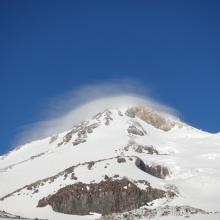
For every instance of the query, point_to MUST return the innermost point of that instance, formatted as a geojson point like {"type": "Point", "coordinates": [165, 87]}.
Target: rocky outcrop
{"type": "Point", "coordinates": [134, 130]}
{"type": "Point", "coordinates": [141, 148]}
{"type": "Point", "coordinates": [78, 141]}
{"type": "Point", "coordinates": [33, 187]}
{"type": "Point", "coordinates": [108, 196]}
{"type": "Point", "coordinates": [148, 149]}
{"type": "Point", "coordinates": [146, 213]}
{"type": "Point", "coordinates": [120, 113]}
{"type": "Point", "coordinates": [151, 117]}
{"type": "Point", "coordinates": [8, 216]}
{"type": "Point", "coordinates": [121, 160]}
{"type": "Point", "coordinates": [158, 171]}
{"type": "Point", "coordinates": [82, 130]}
{"type": "Point", "coordinates": [90, 165]}
{"type": "Point", "coordinates": [154, 170]}
{"type": "Point", "coordinates": [68, 137]}
{"type": "Point", "coordinates": [82, 134]}
{"type": "Point", "coordinates": [107, 117]}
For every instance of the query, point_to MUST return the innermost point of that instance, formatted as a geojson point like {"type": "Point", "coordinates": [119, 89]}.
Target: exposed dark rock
{"type": "Point", "coordinates": [81, 130]}
{"type": "Point", "coordinates": [106, 197]}
{"type": "Point", "coordinates": [7, 216]}
{"type": "Point", "coordinates": [147, 149]}
{"type": "Point", "coordinates": [78, 141]}
{"type": "Point", "coordinates": [156, 170]}
{"type": "Point", "coordinates": [69, 172]}
{"type": "Point", "coordinates": [73, 177]}
{"type": "Point", "coordinates": [38, 155]}
{"type": "Point", "coordinates": [151, 150]}
{"type": "Point", "coordinates": [120, 113]}
{"type": "Point", "coordinates": [90, 165]}
{"type": "Point", "coordinates": [138, 125]}
{"type": "Point", "coordinates": [59, 144]}
{"type": "Point", "coordinates": [35, 185]}
{"type": "Point", "coordinates": [82, 133]}
{"type": "Point", "coordinates": [42, 202]}
{"type": "Point", "coordinates": [106, 177]}
{"type": "Point", "coordinates": [67, 137]}
{"type": "Point", "coordinates": [151, 117]}
{"type": "Point", "coordinates": [134, 130]}
{"type": "Point", "coordinates": [160, 211]}
{"type": "Point", "coordinates": [89, 130]}
{"type": "Point", "coordinates": [121, 160]}
{"type": "Point", "coordinates": [93, 126]}
{"type": "Point", "coordinates": [139, 149]}
{"type": "Point", "coordinates": [35, 191]}
{"type": "Point", "coordinates": [97, 116]}
{"type": "Point", "coordinates": [107, 117]}
{"type": "Point", "coordinates": [140, 164]}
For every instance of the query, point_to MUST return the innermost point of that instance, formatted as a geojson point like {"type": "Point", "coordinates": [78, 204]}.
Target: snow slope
{"type": "Point", "coordinates": [192, 157]}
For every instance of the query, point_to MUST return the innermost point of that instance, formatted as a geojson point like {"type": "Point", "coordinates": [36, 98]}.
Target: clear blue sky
{"type": "Point", "coordinates": [49, 47]}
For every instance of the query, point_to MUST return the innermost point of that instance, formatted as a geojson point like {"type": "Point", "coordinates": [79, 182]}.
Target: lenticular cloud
{"type": "Point", "coordinates": [80, 104]}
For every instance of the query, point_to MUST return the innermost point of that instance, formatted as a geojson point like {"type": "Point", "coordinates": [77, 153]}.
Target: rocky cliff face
{"type": "Point", "coordinates": [151, 117]}
{"type": "Point", "coordinates": [106, 197]}
{"type": "Point", "coordinates": [174, 211]}
{"type": "Point", "coordinates": [154, 170]}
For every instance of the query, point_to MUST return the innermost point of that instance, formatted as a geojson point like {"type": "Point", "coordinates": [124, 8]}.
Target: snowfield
{"type": "Point", "coordinates": [92, 152]}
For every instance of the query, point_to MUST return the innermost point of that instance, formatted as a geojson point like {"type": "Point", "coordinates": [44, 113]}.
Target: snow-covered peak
{"type": "Point", "coordinates": [136, 145]}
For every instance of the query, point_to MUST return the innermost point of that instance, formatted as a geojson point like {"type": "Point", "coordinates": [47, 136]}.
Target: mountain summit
{"type": "Point", "coordinates": [122, 163]}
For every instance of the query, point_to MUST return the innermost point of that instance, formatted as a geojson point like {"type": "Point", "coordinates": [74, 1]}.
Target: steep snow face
{"type": "Point", "coordinates": [177, 158]}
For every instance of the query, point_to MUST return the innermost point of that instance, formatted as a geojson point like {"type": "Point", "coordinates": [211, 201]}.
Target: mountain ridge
{"type": "Point", "coordinates": [158, 141]}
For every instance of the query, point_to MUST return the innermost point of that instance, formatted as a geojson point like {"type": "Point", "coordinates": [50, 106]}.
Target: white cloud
{"type": "Point", "coordinates": [71, 108]}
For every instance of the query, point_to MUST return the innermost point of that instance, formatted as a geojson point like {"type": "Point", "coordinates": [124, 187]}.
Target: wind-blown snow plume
{"type": "Point", "coordinates": [81, 103]}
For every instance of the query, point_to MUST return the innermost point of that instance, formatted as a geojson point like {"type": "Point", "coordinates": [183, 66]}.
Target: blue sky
{"type": "Point", "coordinates": [48, 48]}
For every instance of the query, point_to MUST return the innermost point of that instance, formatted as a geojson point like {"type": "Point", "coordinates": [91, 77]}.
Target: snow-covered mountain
{"type": "Point", "coordinates": [126, 163]}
